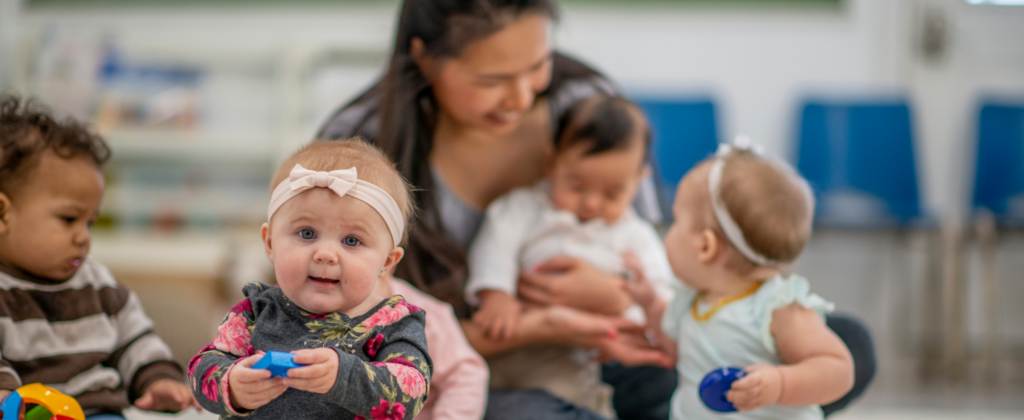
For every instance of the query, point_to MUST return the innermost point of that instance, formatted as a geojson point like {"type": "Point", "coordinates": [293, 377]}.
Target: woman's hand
{"type": "Point", "coordinates": [632, 349]}
{"type": "Point", "coordinates": [546, 325]}
{"type": "Point", "coordinates": [572, 327]}
{"type": "Point", "coordinates": [615, 337]}
{"type": "Point", "coordinates": [320, 373]}
{"type": "Point", "coordinates": [167, 396]}
{"type": "Point", "coordinates": [569, 281]}
{"type": "Point", "coordinates": [250, 388]}
{"type": "Point", "coordinates": [622, 340]}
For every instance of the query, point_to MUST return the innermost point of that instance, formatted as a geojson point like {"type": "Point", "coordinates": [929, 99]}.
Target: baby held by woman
{"type": "Point", "coordinates": [336, 221]}
{"type": "Point", "coordinates": [739, 218]}
{"type": "Point", "coordinates": [583, 210]}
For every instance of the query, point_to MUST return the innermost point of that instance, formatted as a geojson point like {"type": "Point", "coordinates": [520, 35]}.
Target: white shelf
{"type": "Point", "coordinates": [135, 145]}
{"type": "Point", "coordinates": [183, 254]}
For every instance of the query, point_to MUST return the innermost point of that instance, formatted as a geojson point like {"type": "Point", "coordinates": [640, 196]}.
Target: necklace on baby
{"type": "Point", "coordinates": [720, 304]}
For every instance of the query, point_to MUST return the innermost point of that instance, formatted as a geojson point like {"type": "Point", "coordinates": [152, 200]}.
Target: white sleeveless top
{"type": "Point", "coordinates": [738, 335]}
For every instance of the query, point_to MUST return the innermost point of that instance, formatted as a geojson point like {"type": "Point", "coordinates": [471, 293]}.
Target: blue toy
{"type": "Point", "coordinates": [716, 384]}
{"type": "Point", "coordinates": [278, 363]}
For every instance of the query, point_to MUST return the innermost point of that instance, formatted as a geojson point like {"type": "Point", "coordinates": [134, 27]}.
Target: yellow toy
{"type": "Point", "coordinates": [53, 405]}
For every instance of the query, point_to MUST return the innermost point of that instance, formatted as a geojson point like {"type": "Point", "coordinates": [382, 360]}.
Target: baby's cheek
{"type": "Point", "coordinates": [615, 210]}
{"type": "Point", "coordinates": [362, 278]}
{"type": "Point", "coordinates": [289, 272]}
{"type": "Point", "coordinates": [361, 284]}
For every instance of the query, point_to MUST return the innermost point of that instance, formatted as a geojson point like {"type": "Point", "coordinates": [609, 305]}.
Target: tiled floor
{"type": "Point", "coordinates": [926, 414]}
{"type": "Point", "coordinates": [856, 413]}
{"type": "Point", "coordinates": [191, 414]}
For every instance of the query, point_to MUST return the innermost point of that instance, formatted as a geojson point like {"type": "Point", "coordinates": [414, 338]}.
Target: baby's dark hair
{"type": "Point", "coordinates": [28, 129]}
{"type": "Point", "coordinates": [603, 123]}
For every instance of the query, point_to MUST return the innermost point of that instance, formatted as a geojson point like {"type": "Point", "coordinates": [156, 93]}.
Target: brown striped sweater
{"type": "Point", "coordinates": [87, 337]}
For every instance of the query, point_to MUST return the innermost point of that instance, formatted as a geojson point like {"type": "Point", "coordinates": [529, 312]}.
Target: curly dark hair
{"type": "Point", "coordinates": [28, 129]}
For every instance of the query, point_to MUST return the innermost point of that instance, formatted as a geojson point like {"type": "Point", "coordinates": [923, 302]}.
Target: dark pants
{"type": "Point", "coordinates": [645, 392]}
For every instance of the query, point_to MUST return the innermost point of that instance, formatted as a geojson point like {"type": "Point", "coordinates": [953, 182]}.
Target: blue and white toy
{"type": "Point", "coordinates": [716, 384]}
{"type": "Point", "coordinates": [278, 363]}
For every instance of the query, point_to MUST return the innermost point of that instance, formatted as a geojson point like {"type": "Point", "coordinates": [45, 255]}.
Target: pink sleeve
{"type": "Point", "coordinates": [458, 388]}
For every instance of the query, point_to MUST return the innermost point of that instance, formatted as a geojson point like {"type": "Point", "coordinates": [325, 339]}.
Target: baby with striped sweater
{"type": "Point", "coordinates": [64, 320]}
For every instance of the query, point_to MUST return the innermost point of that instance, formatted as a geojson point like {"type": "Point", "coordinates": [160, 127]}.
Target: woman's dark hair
{"type": "Point", "coordinates": [432, 262]}
{"type": "Point", "coordinates": [603, 123]}
{"type": "Point", "coordinates": [27, 130]}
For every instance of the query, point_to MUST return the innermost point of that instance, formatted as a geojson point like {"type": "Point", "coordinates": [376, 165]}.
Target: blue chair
{"type": "Point", "coordinates": [998, 204]}
{"type": "Point", "coordinates": [999, 168]}
{"type": "Point", "coordinates": [685, 132]}
{"type": "Point", "coordinates": [859, 158]}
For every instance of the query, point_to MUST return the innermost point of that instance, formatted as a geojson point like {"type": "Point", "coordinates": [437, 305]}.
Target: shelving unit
{"type": "Point", "coordinates": [140, 145]}
{"type": "Point", "coordinates": [183, 205]}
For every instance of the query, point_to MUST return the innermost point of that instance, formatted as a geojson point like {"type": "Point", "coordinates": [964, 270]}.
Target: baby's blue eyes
{"type": "Point", "coordinates": [309, 234]}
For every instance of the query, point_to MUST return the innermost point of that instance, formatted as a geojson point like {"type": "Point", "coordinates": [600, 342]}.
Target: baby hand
{"type": "Point", "coordinates": [498, 314]}
{"type": "Point", "coordinates": [320, 374]}
{"type": "Point", "coordinates": [638, 286]}
{"type": "Point", "coordinates": [761, 387]}
{"type": "Point", "coordinates": [250, 388]}
{"type": "Point", "coordinates": [166, 395]}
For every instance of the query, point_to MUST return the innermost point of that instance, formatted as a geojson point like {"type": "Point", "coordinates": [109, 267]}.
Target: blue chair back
{"type": "Point", "coordinates": [685, 132]}
{"type": "Point", "coordinates": [862, 148]}
{"type": "Point", "coordinates": [999, 169]}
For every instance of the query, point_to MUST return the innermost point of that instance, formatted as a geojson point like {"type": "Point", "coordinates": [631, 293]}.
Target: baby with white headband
{"type": "Point", "coordinates": [336, 220]}
{"type": "Point", "coordinates": [740, 218]}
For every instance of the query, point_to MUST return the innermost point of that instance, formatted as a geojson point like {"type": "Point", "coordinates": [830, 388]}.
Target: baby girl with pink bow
{"type": "Point", "coordinates": [335, 224]}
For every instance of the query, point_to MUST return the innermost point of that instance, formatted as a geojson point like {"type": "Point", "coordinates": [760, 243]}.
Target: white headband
{"type": "Point", "coordinates": [342, 182]}
{"type": "Point", "coordinates": [729, 226]}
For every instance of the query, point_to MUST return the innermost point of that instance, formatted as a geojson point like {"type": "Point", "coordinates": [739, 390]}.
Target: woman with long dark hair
{"type": "Point", "coordinates": [469, 108]}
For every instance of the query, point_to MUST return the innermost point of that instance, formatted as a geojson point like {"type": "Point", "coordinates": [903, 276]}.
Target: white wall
{"type": "Point", "coordinates": [985, 58]}
{"type": "Point", "coordinates": [8, 33]}
{"type": "Point", "coordinates": [758, 62]}
{"type": "Point", "coordinates": [755, 62]}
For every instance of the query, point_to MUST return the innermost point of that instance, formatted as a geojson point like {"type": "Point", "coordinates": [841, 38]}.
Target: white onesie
{"type": "Point", "coordinates": [522, 230]}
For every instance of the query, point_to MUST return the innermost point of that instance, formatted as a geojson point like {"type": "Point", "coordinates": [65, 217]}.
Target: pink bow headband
{"type": "Point", "coordinates": [342, 182]}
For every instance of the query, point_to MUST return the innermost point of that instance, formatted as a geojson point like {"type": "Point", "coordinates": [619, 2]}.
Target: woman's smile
{"type": "Point", "coordinates": [504, 118]}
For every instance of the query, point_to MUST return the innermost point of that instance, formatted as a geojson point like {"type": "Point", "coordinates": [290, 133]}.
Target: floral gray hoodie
{"type": "Point", "coordinates": [384, 367]}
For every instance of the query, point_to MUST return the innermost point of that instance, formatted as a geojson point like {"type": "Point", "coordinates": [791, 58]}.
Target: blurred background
{"type": "Point", "coordinates": [907, 116]}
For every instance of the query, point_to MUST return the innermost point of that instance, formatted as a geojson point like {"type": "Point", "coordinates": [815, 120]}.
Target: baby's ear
{"type": "Point", "coordinates": [265, 234]}
{"type": "Point", "coordinates": [394, 257]}
{"type": "Point", "coordinates": [708, 246]}
{"type": "Point", "coordinates": [5, 212]}
{"type": "Point", "coordinates": [426, 64]}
